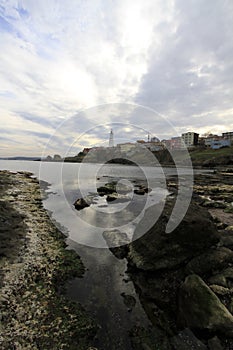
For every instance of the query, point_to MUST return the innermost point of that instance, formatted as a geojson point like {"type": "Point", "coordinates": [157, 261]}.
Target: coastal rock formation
{"type": "Point", "coordinates": [185, 278]}
{"type": "Point", "coordinates": [158, 250]}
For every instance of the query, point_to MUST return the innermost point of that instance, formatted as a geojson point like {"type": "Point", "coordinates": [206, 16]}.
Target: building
{"type": "Point", "coordinates": [111, 139]}
{"type": "Point", "coordinates": [216, 144]}
{"type": "Point", "coordinates": [208, 140]}
{"type": "Point", "coordinates": [228, 136]}
{"type": "Point", "coordinates": [190, 139]}
{"type": "Point", "coordinates": [177, 143]}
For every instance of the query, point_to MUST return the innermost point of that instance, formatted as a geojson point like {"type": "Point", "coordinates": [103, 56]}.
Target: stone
{"type": "Point", "coordinates": [82, 203]}
{"type": "Point", "coordinates": [186, 340]}
{"type": "Point", "coordinates": [214, 204]}
{"type": "Point", "coordinates": [210, 261]}
{"type": "Point", "coordinates": [129, 301]}
{"type": "Point", "coordinates": [117, 198]}
{"type": "Point", "coordinates": [200, 308]}
{"type": "Point", "coordinates": [157, 250]}
{"type": "Point", "coordinates": [220, 290]}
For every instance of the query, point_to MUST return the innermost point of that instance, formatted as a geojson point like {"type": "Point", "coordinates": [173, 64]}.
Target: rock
{"type": "Point", "coordinates": [108, 188]}
{"type": "Point", "coordinates": [219, 290]}
{"type": "Point", "coordinates": [215, 344]}
{"type": "Point", "coordinates": [117, 242]}
{"type": "Point", "coordinates": [117, 198]}
{"type": "Point", "coordinates": [200, 308]}
{"type": "Point", "coordinates": [224, 278]}
{"type": "Point", "coordinates": [82, 203]}
{"type": "Point", "coordinates": [186, 340]}
{"type": "Point", "coordinates": [227, 238]}
{"type": "Point", "coordinates": [210, 261]}
{"type": "Point", "coordinates": [158, 250]}
{"type": "Point", "coordinates": [129, 301]}
{"type": "Point", "coordinates": [214, 204]}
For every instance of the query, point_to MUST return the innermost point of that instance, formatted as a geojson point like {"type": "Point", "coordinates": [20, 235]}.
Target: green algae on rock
{"type": "Point", "coordinates": [34, 265]}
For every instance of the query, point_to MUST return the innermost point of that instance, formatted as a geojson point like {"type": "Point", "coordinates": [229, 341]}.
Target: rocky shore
{"type": "Point", "coordinates": [35, 263]}
{"type": "Point", "coordinates": [185, 279]}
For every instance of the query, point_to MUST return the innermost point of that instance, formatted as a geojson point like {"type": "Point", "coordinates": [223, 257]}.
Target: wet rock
{"type": "Point", "coordinates": [129, 301]}
{"type": "Point", "coordinates": [210, 261]}
{"type": "Point", "coordinates": [200, 308]}
{"type": "Point", "coordinates": [157, 250]}
{"type": "Point", "coordinates": [108, 188]}
{"type": "Point", "coordinates": [82, 203]}
{"type": "Point", "coordinates": [118, 198]}
{"type": "Point", "coordinates": [186, 340]}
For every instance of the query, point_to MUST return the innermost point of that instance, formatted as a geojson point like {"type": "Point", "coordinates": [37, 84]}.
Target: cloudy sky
{"type": "Point", "coordinates": [71, 69]}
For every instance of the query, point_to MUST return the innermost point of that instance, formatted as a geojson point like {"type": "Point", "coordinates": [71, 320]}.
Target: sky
{"type": "Point", "coordinates": [72, 70]}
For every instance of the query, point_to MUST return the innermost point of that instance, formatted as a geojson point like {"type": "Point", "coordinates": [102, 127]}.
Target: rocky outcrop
{"type": "Point", "coordinates": [185, 279]}
{"type": "Point", "coordinates": [158, 250]}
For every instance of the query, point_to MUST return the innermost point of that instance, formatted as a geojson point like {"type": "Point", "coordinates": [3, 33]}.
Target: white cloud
{"type": "Point", "coordinates": [58, 57]}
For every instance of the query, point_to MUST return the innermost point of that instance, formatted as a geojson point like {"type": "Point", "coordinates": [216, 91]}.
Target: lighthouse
{"type": "Point", "coordinates": [111, 141]}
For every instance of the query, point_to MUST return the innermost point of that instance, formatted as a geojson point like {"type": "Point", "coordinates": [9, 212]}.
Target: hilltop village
{"type": "Point", "coordinates": [202, 149]}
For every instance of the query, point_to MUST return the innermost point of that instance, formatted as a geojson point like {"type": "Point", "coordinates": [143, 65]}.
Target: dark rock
{"type": "Point", "coordinates": [129, 301]}
{"type": "Point", "coordinates": [210, 261]}
{"type": "Point", "coordinates": [158, 250]}
{"type": "Point", "coordinates": [108, 188]}
{"type": "Point", "coordinates": [200, 308]}
{"type": "Point", "coordinates": [82, 203]}
{"type": "Point", "coordinates": [224, 278]}
{"type": "Point", "coordinates": [118, 198]}
{"type": "Point", "coordinates": [186, 340]}
{"type": "Point", "coordinates": [215, 344]}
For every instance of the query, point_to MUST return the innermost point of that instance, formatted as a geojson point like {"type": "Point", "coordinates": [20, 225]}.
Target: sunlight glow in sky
{"type": "Point", "coordinates": [60, 57]}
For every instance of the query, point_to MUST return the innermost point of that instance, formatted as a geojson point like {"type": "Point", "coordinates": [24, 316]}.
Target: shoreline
{"type": "Point", "coordinates": [35, 265]}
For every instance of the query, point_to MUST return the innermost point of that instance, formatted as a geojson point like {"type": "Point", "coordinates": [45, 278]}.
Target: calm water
{"type": "Point", "coordinates": [105, 279]}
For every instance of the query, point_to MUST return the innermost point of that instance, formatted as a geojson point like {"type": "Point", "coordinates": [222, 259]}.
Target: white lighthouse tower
{"type": "Point", "coordinates": [111, 141]}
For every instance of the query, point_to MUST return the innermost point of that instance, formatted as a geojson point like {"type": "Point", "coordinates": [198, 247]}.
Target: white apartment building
{"type": "Point", "coordinates": [190, 138]}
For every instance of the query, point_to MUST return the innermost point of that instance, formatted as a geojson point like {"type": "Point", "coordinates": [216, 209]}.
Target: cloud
{"type": "Point", "coordinates": [62, 57]}
{"type": "Point", "coordinates": [190, 78]}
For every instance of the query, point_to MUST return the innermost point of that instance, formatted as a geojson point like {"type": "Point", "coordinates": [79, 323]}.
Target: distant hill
{"type": "Point", "coordinates": [22, 158]}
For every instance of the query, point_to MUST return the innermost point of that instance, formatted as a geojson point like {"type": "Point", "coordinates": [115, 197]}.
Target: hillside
{"type": "Point", "coordinates": [211, 158]}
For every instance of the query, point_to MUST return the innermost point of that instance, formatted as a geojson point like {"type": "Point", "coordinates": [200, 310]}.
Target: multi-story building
{"type": "Point", "coordinates": [208, 140]}
{"type": "Point", "coordinates": [190, 139]}
{"type": "Point", "coordinates": [216, 144]}
{"type": "Point", "coordinates": [228, 136]}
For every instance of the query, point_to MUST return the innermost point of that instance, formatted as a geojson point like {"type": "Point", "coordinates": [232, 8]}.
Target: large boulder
{"type": "Point", "coordinates": [200, 308]}
{"type": "Point", "coordinates": [160, 250]}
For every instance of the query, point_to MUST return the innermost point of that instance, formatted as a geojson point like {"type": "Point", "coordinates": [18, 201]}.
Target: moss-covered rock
{"type": "Point", "coordinates": [200, 308]}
